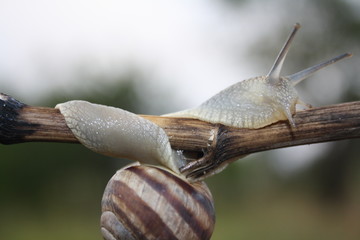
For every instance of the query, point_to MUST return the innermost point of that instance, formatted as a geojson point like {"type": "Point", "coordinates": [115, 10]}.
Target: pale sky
{"type": "Point", "coordinates": [180, 44]}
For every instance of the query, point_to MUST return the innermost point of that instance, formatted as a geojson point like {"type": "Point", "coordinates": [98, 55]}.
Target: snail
{"type": "Point", "coordinates": [259, 101]}
{"type": "Point", "coordinates": [141, 201]}
{"type": "Point", "coordinates": [146, 202]}
{"type": "Point", "coordinates": [252, 103]}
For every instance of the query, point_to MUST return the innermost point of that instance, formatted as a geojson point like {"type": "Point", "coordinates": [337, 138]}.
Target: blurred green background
{"type": "Point", "coordinates": [53, 191]}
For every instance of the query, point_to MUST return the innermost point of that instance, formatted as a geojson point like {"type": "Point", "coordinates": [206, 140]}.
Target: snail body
{"type": "Point", "coordinates": [145, 202]}
{"type": "Point", "coordinates": [119, 133]}
{"type": "Point", "coordinates": [259, 101]}
{"type": "Point", "coordinates": [251, 103]}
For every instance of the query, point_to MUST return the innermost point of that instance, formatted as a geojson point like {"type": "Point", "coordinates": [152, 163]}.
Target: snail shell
{"type": "Point", "coordinates": [146, 202]}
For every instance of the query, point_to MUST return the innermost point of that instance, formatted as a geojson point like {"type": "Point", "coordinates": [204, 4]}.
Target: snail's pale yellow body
{"type": "Point", "coordinates": [251, 103]}
{"type": "Point", "coordinates": [259, 101]}
{"type": "Point", "coordinates": [119, 133]}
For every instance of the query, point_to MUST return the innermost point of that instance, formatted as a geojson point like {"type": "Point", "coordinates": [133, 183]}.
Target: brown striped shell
{"type": "Point", "coordinates": [146, 202]}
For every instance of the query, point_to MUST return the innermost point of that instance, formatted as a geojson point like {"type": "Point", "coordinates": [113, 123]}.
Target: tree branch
{"type": "Point", "coordinates": [21, 123]}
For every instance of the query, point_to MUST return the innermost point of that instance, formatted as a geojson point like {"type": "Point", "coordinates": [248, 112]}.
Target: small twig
{"type": "Point", "coordinates": [21, 123]}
